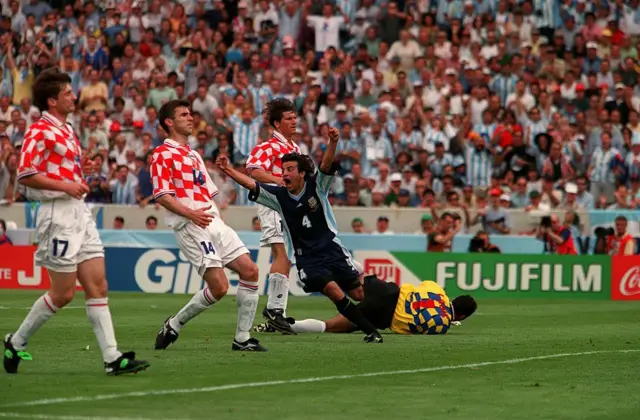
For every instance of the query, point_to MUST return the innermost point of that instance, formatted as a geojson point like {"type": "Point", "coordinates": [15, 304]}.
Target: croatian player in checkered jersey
{"type": "Point", "coordinates": [69, 246]}
{"type": "Point", "coordinates": [265, 166]}
{"type": "Point", "coordinates": [183, 187]}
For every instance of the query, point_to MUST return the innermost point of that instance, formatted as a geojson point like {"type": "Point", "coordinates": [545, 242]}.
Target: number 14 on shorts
{"type": "Point", "coordinates": [207, 247]}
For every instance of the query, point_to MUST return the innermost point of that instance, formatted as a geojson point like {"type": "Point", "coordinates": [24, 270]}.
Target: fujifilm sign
{"type": "Point", "coordinates": [521, 277]}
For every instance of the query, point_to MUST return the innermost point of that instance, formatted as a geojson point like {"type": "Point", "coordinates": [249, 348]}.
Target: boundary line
{"type": "Point", "coordinates": [50, 417]}
{"type": "Point", "coordinates": [104, 397]}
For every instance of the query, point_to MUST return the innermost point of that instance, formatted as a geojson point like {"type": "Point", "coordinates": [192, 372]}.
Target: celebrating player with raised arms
{"type": "Point", "coordinates": [183, 187]}
{"type": "Point", "coordinates": [69, 246]}
{"type": "Point", "coordinates": [421, 309]}
{"type": "Point", "coordinates": [265, 166]}
{"type": "Point", "coordinates": [323, 264]}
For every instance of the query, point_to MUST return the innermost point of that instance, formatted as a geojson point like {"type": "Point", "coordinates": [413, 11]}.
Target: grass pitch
{"type": "Point", "coordinates": [592, 371]}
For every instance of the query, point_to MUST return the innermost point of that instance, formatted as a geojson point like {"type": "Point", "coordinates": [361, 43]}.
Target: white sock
{"type": "Point", "coordinates": [278, 291]}
{"type": "Point", "coordinates": [41, 311]}
{"type": "Point", "coordinates": [199, 303]}
{"type": "Point", "coordinates": [247, 302]}
{"type": "Point", "coordinates": [309, 326]}
{"type": "Point", "coordinates": [100, 317]}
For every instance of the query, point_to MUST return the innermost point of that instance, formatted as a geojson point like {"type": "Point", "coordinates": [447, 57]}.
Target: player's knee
{"type": "Point", "coordinates": [219, 288]}
{"type": "Point", "coordinates": [62, 298]}
{"type": "Point", "coordinates": [333, 292]}
{"type": "Point", "coordinates": [100, 289]}
{"type": "Point", "coordinates": [279, 254]}
{"type": "Point", "coordinates": [357, 294]}
{"type": "Point", "coordinates": [251, 273]}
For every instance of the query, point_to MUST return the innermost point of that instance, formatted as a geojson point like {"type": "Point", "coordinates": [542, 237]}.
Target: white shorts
{"type": "Point", "coordinates": [216, 246]}
{"type": "Point", "coordinates": [271, 226]}
{"type": "Point", "coordinates": [67, 235]}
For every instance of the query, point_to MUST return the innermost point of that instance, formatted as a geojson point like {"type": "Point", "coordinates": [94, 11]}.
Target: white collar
{"type": "Point", "coordinates": [282, 139]}
{"type": "Point", "coordinates": [55, 121]}
{"type": "Point", "coordinates": [173, 143]}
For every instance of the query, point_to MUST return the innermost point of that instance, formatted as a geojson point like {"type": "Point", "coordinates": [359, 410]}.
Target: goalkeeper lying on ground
{"type": "Point", "coordinates": [422, 309]}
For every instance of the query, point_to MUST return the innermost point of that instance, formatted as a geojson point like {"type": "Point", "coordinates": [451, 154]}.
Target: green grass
{"type": "Point", "coordinates": [592, 386]}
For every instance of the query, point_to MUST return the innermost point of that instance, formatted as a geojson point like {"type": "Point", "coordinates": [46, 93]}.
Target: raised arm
{"type": "Point", "coordinates": [245, 181]}
{"type": "Point", "coordinates": [330, 154]}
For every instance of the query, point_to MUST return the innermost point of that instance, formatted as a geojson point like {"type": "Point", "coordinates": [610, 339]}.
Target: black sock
{"type": "Point", "coordinates": [353, 314]}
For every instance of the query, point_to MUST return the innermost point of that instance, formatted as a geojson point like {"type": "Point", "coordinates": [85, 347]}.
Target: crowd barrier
{"type": "Point", "coordinates": [165, 270]}
{"type": "Point", "coordinates": [240, 217]}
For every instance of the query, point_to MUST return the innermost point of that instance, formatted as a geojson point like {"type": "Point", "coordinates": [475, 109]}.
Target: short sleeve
{"type": "Point", "coordinates": [260, 158]}
{"type": "Point", "coordinates": [267, 195]}
{"type": "Point", "coordinates": [161, 174]}
{"type": "Point", "coordinates": [32, 153]}
{"type": "Point", "coordinates": [324, 180]}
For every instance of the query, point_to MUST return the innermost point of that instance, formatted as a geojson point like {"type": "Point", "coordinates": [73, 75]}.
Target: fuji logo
{"type": "Point", "coordinates": [630, 283]}
{"type": "Point", "coordinates": [385, 269]}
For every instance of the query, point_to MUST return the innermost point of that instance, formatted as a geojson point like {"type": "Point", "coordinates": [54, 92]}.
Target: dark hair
{"type": "Point", "coordinates": [3, 224]}
{"type": "Point", "coordinates": [464, 306]}
{"type": "Point", "coordinates": [151, 218]}
{"type": "Point", "coordinates": [621, 219]}
{"type": "Point", "coordinates": [305, 164]}
{"type": "Point", "coordinates": [119, 219]}
{"type": "Point", "coordinates": [447, 214]}
{"type": "Point", "coordinates": [168, 111]}
{"type": "Point", "coordinates": [47, 85]}
{"type": "Point", "coordinates": [276, 109]}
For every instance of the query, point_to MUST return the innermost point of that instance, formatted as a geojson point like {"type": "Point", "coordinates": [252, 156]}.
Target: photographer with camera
{"type": "Point", "coordinates": [480, 243]}
{"type": "Point", "coordinates": [557, 238]}
{"type": "Point", "coordinates": [619, 242]}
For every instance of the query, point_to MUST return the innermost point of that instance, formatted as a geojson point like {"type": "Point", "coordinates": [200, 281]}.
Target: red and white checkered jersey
{"type": "Point", "coordinates": [178, 170]}
{"type": "Point", "coordinates": [52, 149]}
{"type": "Point", "coordinates": [268, 154]}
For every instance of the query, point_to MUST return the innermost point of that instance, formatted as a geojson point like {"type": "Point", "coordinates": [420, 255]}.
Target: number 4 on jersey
{"type": "Point", "coordinates": [306, 222]}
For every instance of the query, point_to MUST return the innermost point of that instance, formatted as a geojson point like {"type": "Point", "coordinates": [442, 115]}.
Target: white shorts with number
{"type": "Point", "coordinates": [216, 246]}
{"type": "Point", "coordinates": [271, 226]}
{"type": "Point", "coordinates": [67, 235]}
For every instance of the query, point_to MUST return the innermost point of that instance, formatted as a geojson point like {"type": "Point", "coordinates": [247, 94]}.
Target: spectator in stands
{"type": "Point", "coordinates": [357, 225]}
{"type": "Point", "coordinates": [8, 167]}
{"type": "Point", "coordinates": [570, 201]}
{"type": "Point", "coordinates": [151, 223]}
{"type": "Point", "coordinates": [441, 239]}
{"type": "Point", "coordinates": [382, 226]}
{"type": "Point", "coordinates": [255, 224]}
{"type": "Point", "coordinates": [4, 239]}
{"type": "Point", "coordinates": [496, 220]}
{"type": "Point", "coordinates": [496, 94]}
{"type": "Point", "coordinates": [584, 198]}
{"type": "Point", "coordinates": [123, 189]}
{"type": "Point", "coordinates": [621, 242]}
{"type": "Point", "coordinates": [118, 223]}
{"type": "Point", "coordinates": [427, 225]}
{"type": "Point", "coordinates": [536, 204]}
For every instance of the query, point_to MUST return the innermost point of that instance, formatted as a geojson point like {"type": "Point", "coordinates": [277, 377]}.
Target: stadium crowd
{"type": "Point", "coordinates": [475, 104]}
